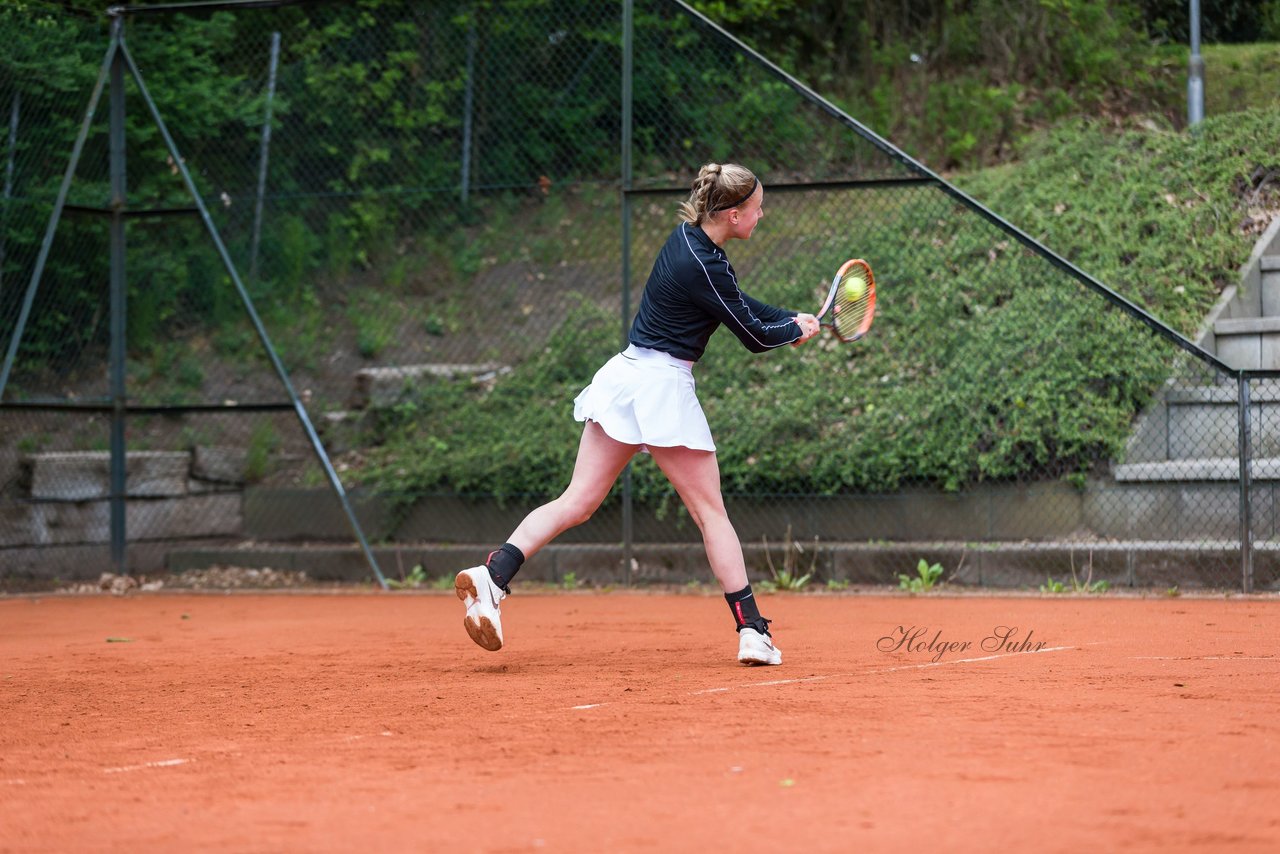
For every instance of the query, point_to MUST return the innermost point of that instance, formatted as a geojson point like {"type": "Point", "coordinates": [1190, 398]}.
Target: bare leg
{"type": "Point", "coordinates": [600, 461]}
{"type": "Point", "coordinates": [696, 477]}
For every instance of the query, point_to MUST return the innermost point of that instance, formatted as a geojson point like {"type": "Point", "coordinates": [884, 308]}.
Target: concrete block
{"type": "Point", "coordinates": [181, 559]}
{"type": "Point", "coordinates": [59, 523]}
{"type": "Point", "coordinates": [1264, 430]}
{"type": "Point", "coordinates": [1203, 430]}
{"type": "Point", "coordinates": [1266, 571]}
{"type": "Point", "coordinates": [1031, 567]}
{"type": "Point", "coordinates": [204, 487]}
{"type": "Point", "coordinates": [599, 565]}
{"type": "Point", "coordinates": [212, 515]}
{"type": "Point", "coordinates": [1149, 441]}
{"type": "Point", "coordinates": [157, 473]}
{"type": "Point", "coordinates": [1171, 511]}
{"type": "Point", "coordinates": [17, 527]}
{"type": "Point", "coordinates": [1240, 351]}
{"type": "Point", "coordinates": [1036, 511]}
{"type": "Point", "coordinates": [220, 465]}
{"type": "Point", "coordinates": [1140, 563]}
{"type": "Point", "coordinates": [1270, 352]}
{"type": "Point", "coordinates": [1207, 511]}
{"type": "Point", "coordinates": [312, 514]}
{"type": "Point", "coordinates": [387, 386]}
{"type": "Point", "coordinates": [447, 518]}
{"type": "Point", "coordinates": [39, 565]}
{"type": "Point", "coordinates": [1270, 285]}
{"type": "Point", "coordinates": [83, 475]}
{"type": "Point", "coordinates": [65, 523]}
{"type": "Point", "coordinates": [1188, 568]}
{"type": "Point", "coordinates": [1249, 298]}
{"type": "Point", "coordinates": [1126, 512]}
{"type": "Point", "coordinates": [854, 518]}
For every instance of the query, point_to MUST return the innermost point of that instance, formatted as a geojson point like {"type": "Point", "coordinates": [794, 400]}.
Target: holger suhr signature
{"type": "Point", "coordinates": [1002, 639]}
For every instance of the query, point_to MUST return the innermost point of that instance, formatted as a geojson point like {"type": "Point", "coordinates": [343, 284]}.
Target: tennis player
{"type": "Point", "coordinates": [643, 400]}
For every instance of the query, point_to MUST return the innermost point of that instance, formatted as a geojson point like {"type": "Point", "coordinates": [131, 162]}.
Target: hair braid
{"type": "Point", "coordinates": [717, 185]}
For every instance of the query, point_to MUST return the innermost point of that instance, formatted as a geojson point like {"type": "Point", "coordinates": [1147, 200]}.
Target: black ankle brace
{"type": "Point", "coordinates": [503, 565]}
{"type": "Point", "coordinates": [745, 611]}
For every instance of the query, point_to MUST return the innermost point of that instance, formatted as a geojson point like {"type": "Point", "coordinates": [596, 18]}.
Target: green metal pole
{"type": "Point", "coordinates": [628, 55]}
{"type": "Point", "coordinates": [119, 451]}
{"type": "Point", "coordinates": [468, 106]}
{"type": "Point", "coordinates": [8, 180]}
{"type": "Point", "coordinates": [1246, 492]}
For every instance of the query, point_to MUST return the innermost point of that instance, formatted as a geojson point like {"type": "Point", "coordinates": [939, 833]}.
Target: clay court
{"type": "Point", "coordinates": [621, 722]}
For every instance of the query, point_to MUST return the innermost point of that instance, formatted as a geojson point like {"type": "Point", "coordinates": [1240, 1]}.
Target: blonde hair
{"type": "Point", "coordinates": [718, 187]}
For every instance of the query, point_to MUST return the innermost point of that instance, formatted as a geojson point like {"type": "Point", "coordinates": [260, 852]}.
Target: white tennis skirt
{"type": "Point", "coordinates": [646, 397]}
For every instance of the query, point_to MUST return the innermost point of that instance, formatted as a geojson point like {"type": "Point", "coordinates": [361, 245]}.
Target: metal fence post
{"type": "Point", "coordinates": [262, 159]}
{"type": "Point", "coordinates": [628, 533]}
{"type": "Point", "coordinates": [468, 104]}
{"type": "Point", "coordinates": [1246, 505]}
{"type": "Point", "coordinates": [8, 180]}
{"type": "Point", "coordinates": [119, 451]}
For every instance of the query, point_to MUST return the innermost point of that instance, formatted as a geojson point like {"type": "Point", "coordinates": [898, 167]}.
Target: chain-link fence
{"type": "Point", "coordinates": [443, 215]}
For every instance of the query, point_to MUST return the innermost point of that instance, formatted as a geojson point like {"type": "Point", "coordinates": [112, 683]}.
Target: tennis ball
{"type": "Point", "coordinates": [855, 288]}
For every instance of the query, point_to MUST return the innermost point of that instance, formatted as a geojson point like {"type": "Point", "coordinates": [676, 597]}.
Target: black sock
{"type": "Point", "coordinates": [745, 611]}
{"type": "Point", "coordinates": [504, 564]}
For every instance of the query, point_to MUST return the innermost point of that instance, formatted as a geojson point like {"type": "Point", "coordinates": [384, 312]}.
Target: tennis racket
{"type": "Point", "coordinates": [851, 302]}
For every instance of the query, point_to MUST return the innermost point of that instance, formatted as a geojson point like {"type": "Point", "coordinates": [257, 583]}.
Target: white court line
{"type": "Point", "coordinates": [163, 763]}
{"type": "Point", "coordinates": [804, 679]}
{"type": "Point", "coordinates": [772, 682]}
{"type": "Point", "coordinates": [970, 660]}
{"type": "Point", "coordinates": [881, 670]}
{"type": "Point", "coordinates": [1203, 658]}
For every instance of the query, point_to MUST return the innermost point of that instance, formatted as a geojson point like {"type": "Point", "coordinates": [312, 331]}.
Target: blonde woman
{"type": "Point", "coordinates": [643, 400]}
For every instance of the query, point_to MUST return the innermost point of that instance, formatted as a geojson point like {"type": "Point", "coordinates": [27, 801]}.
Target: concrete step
{"type": "Point", "coordinates": [387, 386]}
{"type": "Point", "coordinates": [85, 475]}
{"type": "Point", "coordinates": [1250, 336]}
{"type": "Point", "coordinates": [1203, 423]}
{"type": "Point", "coordinates": [1196, 470]}
{"type": "Point", "coordinates": [1247, 326]}
{"type": "Point", "coordinates": [1252, 343]}
{"type": "Point", "coordinates": [1269, 285]}
{"type": "Point", "coordinates": [1260, 393]}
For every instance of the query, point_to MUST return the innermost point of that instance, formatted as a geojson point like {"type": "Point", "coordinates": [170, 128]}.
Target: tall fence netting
{"type": "Point", "coordinates": [428, 206]}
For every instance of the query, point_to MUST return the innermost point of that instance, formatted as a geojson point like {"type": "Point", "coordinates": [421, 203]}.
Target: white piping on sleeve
{"type": "Point", "coordinates": [745, 329]}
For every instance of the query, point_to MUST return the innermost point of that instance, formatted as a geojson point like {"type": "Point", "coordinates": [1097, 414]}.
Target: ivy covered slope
{"type": "Point", "coordinates": [1166, 218]}
{"type": "Point", "coordinates": [986, 363]}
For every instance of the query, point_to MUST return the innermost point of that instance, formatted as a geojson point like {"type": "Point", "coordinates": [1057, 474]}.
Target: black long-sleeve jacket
{"type": "Point", "coordinates": [691, 291]}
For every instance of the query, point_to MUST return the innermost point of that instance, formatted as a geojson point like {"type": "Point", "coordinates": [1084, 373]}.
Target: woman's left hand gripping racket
{"type": "Point", "coordinates": [851, 302]}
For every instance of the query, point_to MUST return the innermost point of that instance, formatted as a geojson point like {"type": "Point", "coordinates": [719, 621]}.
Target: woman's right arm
{"type": "Point", "coordinates": [759, 326]}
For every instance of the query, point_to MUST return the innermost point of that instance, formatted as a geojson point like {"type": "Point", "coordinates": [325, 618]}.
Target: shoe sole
{"type": "Point", "coordinates": [757, 661]}
{"type": "Point", "coordinates": [481, 630]}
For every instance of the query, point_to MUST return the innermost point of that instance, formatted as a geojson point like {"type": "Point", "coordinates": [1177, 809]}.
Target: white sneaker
{"type": "Point", "coordinates": [477, 591]}
{"type": "Point", "coordinates": [756, 648]}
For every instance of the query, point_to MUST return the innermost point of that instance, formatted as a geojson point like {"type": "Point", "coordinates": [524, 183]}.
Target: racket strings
{"type": "Point", "coordinates": [855, 297]}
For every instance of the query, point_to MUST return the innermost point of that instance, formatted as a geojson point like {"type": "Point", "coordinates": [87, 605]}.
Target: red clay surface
{"type": "Point", "coordinates": [621, 722]}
